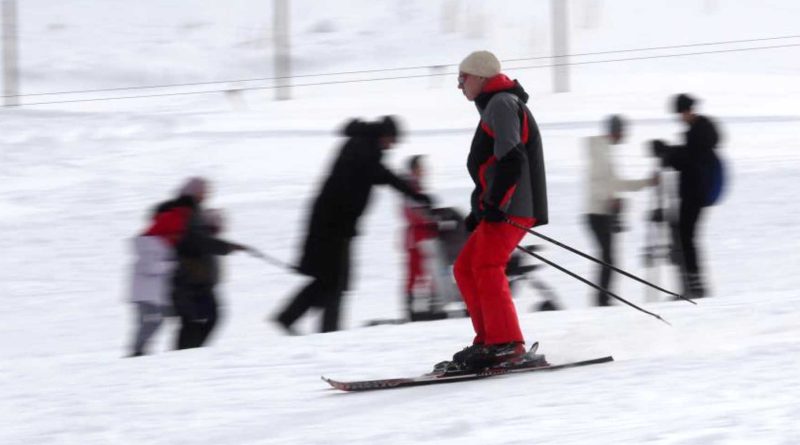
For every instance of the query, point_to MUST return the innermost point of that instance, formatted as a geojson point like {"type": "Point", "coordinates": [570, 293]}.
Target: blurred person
{"type": "Point", "coordinates": [420, 227]}
{"type": "Point", "coordinates": [334, 219]}
{"type": "Point", "coordinates": [197, 272]}
{"type": "Point", "coordinates": [155, 261]}
{"type": "Point", "coordinates": [604, 204]}
{"type": "Point", "coordinates": [700, 183]}
{"type": "Point", "coordinates": [506, 165]}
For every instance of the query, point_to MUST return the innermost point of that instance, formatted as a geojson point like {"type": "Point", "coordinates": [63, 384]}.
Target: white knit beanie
{"type": "Point", "coordinates": [480, 63]}
{"type": "Point", "coordinates": [193, 187]}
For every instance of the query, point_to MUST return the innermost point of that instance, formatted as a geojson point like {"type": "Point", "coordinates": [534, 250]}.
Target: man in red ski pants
{"type": "Point", "coordinates": [506, 165]}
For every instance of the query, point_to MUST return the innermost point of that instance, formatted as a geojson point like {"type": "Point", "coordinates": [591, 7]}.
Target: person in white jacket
{"type": "Point", "coordinates": [150, 287]}
{"type": "Point", "coordinates": [603, 201]}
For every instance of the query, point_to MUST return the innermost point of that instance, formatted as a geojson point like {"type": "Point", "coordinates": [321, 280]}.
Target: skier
{"type": "Point", "coordinates": [699, 184]}
{"type": "Point", "coordinates": [506, 165]}
{"type": "Point", "coordinates": [604, 204]}
{"type": "Point", "coordinates": [334, 219]}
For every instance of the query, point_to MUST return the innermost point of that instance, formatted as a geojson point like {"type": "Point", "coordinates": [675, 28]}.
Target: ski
{"type": "Point", "coordinates": [431, 379]}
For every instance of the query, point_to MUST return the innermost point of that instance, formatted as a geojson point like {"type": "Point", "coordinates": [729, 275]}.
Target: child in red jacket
{"type": "Point", "coordinates": [420, 227]}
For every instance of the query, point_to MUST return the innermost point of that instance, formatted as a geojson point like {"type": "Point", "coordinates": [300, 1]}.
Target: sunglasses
{"type": "Point", "coordinates": [462, 77]}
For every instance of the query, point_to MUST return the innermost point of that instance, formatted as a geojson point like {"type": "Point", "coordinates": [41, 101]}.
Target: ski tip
{"type": "Point", "coordinates": [334, 384]}
{"type": "Point", "coordinates": [327, 380]}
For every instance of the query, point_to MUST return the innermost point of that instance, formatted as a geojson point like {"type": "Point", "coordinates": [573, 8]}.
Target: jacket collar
{"type": "Point", "coordinates": [497, 84]}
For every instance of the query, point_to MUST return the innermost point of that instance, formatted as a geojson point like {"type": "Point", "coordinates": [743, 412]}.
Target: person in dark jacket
{"type": "Point", "coordinates": [334, 219]}
{"type": "Point", "coordinates": [197, 272]}
{"type": "Point", "coordinates": [698, 164]}
{"type": "Point", "coordinates": [154, 266]}
{"type": "Point", "coordinates": [506, 165]}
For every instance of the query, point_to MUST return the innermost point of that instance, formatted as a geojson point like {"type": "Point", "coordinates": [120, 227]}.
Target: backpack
{"type": "Point", "coordinates": [716, 182]}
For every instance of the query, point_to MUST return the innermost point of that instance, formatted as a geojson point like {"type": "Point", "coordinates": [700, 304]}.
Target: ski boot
{"type": "Point", "coordinates": [479, 358]}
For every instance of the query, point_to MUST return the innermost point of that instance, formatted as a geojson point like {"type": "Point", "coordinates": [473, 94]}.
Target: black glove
{"type": "Point", "coordinates": [424, 199]}
{"type": "Point", "coordinates": [471, 222]}
{"type": "Point", "coordinates": [658, 146]}
{"type": "Point", "coordinates": [491, 213]}
{"type": "Point", "coordinates": [660, 150]}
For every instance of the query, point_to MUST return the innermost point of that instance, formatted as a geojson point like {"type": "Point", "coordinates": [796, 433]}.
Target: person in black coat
{"type": "Point", "coordinates": [699, 168]}
{"type": "Point", "coordinates": [334, 219]}
{"type": "Point", "coordinates": [197, 273]}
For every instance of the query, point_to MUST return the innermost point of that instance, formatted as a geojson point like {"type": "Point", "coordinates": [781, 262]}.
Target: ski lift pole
{"type": "Point", "coordinates": [584, 280]}
{"type": "Point", "coordinates": [589, 257]}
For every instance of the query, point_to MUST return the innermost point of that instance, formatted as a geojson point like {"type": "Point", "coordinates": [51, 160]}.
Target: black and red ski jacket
{"type": "Point", "coordinates": [505, 161]}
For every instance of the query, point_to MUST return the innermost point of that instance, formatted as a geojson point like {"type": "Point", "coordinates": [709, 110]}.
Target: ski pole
{"type": "Point", "coordinates": [587, 256]}
{"type": "Point", "coordinates": [584, 280]}
{"type": "Point", "coordinates": [274, 261]}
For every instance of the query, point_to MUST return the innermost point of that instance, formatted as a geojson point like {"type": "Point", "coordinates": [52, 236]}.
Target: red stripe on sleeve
{"type": "Point", "coordinates": [485, 127]}
{"type": "Point", "coordinates": [525, 134]}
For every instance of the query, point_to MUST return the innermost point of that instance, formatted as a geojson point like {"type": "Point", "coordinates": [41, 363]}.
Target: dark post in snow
{"type": "Point", "coordinates": [10, 71]}
{"type": "Point", "coordinates": [281, 37]}
{"type": "Point", "coordinates": [560, 45]}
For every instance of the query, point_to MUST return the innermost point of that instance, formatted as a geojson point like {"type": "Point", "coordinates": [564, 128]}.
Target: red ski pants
{"type": "Point", "coordinates": [480, 272]}
{"type": "Point", "coordinates": [415, 272]}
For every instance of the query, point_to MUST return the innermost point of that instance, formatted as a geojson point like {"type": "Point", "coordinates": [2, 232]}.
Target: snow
{"type": "Point", "coordinates": [79, 178]}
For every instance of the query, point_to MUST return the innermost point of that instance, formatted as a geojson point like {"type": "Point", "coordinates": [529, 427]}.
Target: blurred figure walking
{"type": "Point", "coordinates": [334, 219]}
{"type": "Point", "coordinates": [700, 184]}
{"type": "Point", "coordinates": [603, 201]}
{"type": "Point", "coordinates": [420, 228]}
{"type": "Point", "coordinates": [155, 262]}
{"type": "Point", "coordinates": [197, 273]}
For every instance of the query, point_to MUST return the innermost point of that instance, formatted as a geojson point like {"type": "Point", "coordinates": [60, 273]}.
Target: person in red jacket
{"type": "Point", "coordinates": [506, 165]}
{"type": "Point", "coordinates": [171, 217]}
{"type": "Point", "coordinates": [419, 227]}
{"type": "Point", "coordinates": [155, 261]}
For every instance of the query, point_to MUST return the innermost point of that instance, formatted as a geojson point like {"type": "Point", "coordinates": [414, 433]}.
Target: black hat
{"type": "Point", "coordinates": [683, 102]}
{"type": "Point", "coordinates": [385, 126]}
{"type": "Point", "coordinates": [389, 126]}
{"type": "Point", "coordinates": [413, 162]}
{"type": "Point", "coordinates": [615, 124]}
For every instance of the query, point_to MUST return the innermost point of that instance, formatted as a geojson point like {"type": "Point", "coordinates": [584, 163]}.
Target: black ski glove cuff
{"type": "Point", "coordinates": [492, 213]}
{"type": "Point", "coordinates": [471, 222]}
